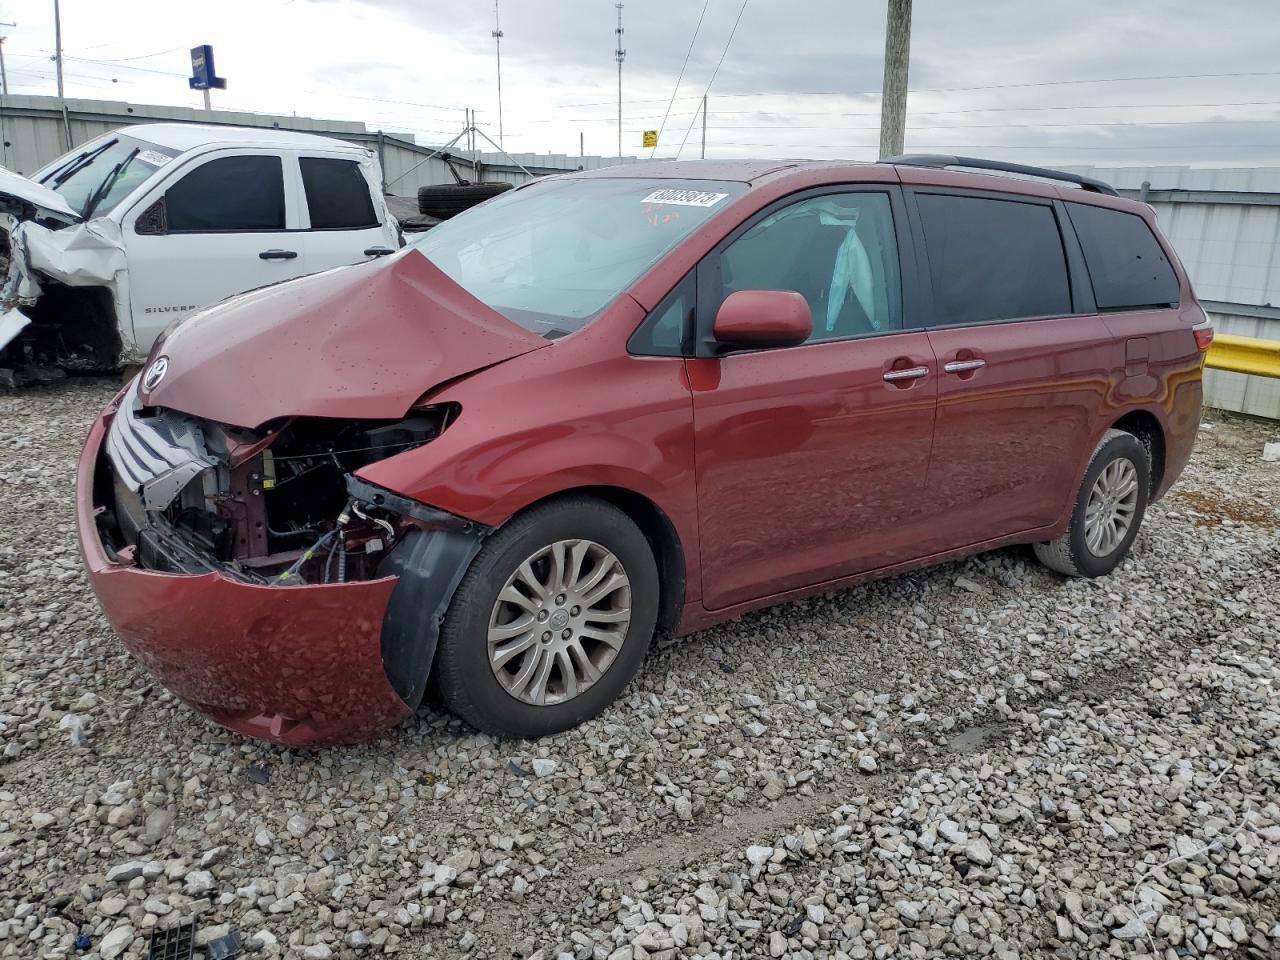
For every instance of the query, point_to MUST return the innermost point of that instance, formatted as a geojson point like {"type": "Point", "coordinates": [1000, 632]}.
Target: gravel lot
{"type": "Point", "coordinates": [981, 759]}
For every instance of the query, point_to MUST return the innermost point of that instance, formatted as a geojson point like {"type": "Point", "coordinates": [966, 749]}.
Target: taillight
{"type": "Point", "coordinates": [1204, 337]}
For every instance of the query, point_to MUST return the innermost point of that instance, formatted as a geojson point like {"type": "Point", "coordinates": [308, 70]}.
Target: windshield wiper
{"type": "Point", "coordinates": [76, 164]}
{"type": "Point", "coordinates": [108, 182]}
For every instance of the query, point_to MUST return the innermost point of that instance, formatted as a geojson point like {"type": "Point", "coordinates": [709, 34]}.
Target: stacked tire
{"type": "Point", "coordinates": [445, 200]}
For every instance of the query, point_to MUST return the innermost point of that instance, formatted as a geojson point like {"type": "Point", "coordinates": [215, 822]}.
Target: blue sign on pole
{"type": "Point", "coordinates": [203, 76]}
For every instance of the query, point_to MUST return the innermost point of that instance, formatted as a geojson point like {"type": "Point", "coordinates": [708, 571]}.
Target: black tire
{"type": "Point", "coordinates": [1069, 554]}
{"type": "Point", "coordinates": [466, 681]}
{"type": "Point", "coordinates": [445, 200]}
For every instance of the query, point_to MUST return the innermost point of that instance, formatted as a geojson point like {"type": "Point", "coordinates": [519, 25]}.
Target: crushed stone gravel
{"type": "Point", "coordinates": [978, 759]}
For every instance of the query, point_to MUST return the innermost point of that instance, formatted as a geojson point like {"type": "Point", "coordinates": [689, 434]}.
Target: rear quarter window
{"type": "Point", "coordinates": [1127, 266]}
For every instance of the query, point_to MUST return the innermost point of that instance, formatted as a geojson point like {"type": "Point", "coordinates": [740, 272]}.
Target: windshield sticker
{"type": "Point", "coordinates": [153, 157]}
{"type": "Point", "coordinates": [685, 198]}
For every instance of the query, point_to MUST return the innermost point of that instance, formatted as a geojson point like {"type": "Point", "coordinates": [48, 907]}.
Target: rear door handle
{"type": "Point", "coordinates": [277, 254]}
{"type": "Point", "coordinates": [959, 366]}
{"type": "Point", "coordinates": [910, 373]}
{"type": "Point", "coordinates": [378, 252]}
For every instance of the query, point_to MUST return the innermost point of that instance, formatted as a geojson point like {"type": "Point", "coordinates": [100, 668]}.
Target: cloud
{"type": "Point", "coordinates": [801, 79]}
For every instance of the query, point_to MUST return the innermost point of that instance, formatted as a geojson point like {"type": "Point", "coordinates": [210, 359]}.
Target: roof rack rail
{"type": "Point", "coordinates": [976, 163]}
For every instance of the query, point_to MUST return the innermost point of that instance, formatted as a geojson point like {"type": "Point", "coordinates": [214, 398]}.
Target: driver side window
{"type": "Point", "coordinates": [838, 251]}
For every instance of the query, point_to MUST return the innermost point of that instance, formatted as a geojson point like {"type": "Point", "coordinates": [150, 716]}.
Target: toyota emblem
{"type": "Point", "coordinates": [155, 373]}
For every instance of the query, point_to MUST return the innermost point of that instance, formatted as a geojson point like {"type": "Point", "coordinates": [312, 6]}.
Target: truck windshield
{"type": "Point", "coordinates": [103, 170]}
{"type": "Point", "coordinates": [552, 256]}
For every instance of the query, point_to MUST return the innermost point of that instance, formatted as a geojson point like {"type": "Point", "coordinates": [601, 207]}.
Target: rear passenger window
{"type": "Point", "coordinates": [993, 259]}
{"type": "Point", "coordinates": [337, 194]}
{"type": "Point", "coordinates": [838, 250]}
{"type": "Point", "coordinates": [230, 193]}
{"type": "Point", "coordinates": [1126, 264]}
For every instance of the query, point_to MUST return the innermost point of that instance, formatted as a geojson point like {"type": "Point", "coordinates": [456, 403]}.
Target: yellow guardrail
{"type": "Point", "coordinates": [1244, 355]}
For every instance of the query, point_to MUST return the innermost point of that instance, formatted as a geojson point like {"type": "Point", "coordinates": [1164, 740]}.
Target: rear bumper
{"type": "Point", "coordinates": [296, 665]}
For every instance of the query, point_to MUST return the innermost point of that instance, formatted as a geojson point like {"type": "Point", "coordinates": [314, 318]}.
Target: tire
{"type": "Point", "coordinates": [470, 685]}
{"type": "Point", "coordinates": [445, 200]}
{"type": "Point", "coordinates": [1071, 553]}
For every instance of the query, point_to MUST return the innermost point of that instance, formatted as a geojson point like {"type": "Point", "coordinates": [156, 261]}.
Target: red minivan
{"type": "Point", "coordinates": [646, 397]}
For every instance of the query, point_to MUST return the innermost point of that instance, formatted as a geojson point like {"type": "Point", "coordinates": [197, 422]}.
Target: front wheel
{"type": "Point", "coordinates": [551, 621]}
{"type": "Point", "coordinates": [1109, 508]}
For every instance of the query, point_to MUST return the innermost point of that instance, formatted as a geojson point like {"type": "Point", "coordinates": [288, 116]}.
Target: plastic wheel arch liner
{"type": "Point", "coordinates": [429, 561]}
{"type": "Point", "coordinates": [430, 565]}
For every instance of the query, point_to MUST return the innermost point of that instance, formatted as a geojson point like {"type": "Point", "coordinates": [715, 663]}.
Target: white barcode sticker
{"type": "Point", "coordinates": [153, 157]}
{"type": "Point", "coordinates": [685, 198]}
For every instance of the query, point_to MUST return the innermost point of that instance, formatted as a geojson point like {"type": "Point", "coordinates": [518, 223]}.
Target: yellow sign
{"type": "Point", "coordinates": [651, 138]}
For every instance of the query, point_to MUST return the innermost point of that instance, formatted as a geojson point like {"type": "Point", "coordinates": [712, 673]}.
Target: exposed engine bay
{"type": "Point", "coordinates": [278, 506]}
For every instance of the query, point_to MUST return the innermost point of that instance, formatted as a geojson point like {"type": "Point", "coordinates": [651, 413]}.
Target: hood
{"type": "Point", "coordinates": [16, 187]}
{"type": "Point", "coordinates": [362, 342]}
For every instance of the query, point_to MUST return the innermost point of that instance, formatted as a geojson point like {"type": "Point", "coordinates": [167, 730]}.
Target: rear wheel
{"type": "Point", "coordinates": [1108, 511]}
{"type": "Point", "coordinates": [551, 621]}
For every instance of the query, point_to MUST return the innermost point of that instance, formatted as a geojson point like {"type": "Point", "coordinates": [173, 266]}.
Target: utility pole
{"type": "Point", "coordinates": [704, 126]}
{"type": "Point", "coordinates": [57, 43]}
{"type": "Point", "coordinates": [897, 57]}
{"type": "Point", "coordinates": [497, 45]}
{"type": "Point", "coordinates": [619, 54]}
{"type": "Point", "coordinates": [4, 77]}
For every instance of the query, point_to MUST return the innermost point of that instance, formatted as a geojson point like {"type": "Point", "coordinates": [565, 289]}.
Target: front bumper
{"type": "Point", "coordinates": [296, 665]}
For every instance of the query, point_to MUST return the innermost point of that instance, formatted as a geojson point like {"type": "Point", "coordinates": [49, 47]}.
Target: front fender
{"type": "Point", "coordinates": [532, 428]}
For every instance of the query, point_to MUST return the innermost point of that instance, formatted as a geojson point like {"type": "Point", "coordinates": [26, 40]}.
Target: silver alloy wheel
{"type": "Point", "coordinates": [1112, 503]}
{"type": "Point", "coordinates": [559, 622]}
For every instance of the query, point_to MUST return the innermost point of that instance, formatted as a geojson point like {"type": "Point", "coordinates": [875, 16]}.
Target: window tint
{"type": "Point", "coordinates": [993, 259]}
{"type": "Point", "coordinates": [230, 193]}
{"type": "Point", "coordinates": [337, 194]}
{"type": "Point", "coordinates": [1126, 264]}
{"type": "Point", "coordinates": [837, 250]}
{"type": "Point", "coordinates": [665, 330]}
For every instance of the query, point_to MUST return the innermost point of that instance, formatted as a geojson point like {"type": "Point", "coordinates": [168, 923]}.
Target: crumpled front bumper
{"type": "Point", "coordinates": [296, 665]}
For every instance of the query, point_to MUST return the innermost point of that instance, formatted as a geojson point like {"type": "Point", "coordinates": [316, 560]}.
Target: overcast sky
{"type": "Point", "coordinates": [999, 78]}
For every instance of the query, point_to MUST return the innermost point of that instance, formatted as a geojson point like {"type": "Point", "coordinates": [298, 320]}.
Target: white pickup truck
{"type": "Point", "coordinates": [104, 248]}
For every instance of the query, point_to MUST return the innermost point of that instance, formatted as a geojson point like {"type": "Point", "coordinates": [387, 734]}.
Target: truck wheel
{"type": "Point", "coordinates": [445, 200]}
{"type": "Point", "coordinates": [551, 621]}
{"type": "Point", "coordinates": [1108, 510]}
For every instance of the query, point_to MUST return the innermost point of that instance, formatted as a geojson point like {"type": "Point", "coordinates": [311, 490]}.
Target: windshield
{"type": "Point", "coordinates": [552, 256]}
{"type": "Point", "coordinates": [111, 168]}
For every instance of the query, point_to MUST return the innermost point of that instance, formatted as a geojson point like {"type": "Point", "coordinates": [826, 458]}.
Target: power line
{"type": "Point", "coordinates": [1001, 126]}
{"type": "Point", "coordinates": [1000, 86]}
{"type": "Point", "coordinates": [723, 53]}
{"type": "Point", "coordinates": [662, 126]}
{"type": "Point", "coordinates": [939, 113]}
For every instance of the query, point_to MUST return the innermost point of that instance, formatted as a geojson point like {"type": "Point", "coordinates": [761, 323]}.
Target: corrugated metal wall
{"type": "Point", "coordinates": [33, 131]}
{"type": "Point", "coordinates": [1225, 225]}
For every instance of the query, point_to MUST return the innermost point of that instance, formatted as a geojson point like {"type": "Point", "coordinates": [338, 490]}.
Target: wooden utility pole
{"type": "Point", "coordinates": [704, 126]}
{"type": "Point", "coordinates": [897, 58]}
{"type": "Point", "coordinates": [57, 43]}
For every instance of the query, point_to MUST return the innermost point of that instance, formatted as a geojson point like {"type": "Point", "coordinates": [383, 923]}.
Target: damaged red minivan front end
{"type": "Point", "coordinates": [224, 522]}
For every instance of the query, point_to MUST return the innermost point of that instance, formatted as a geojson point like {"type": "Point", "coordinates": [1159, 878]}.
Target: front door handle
{"type": "Point", "coordinates": [379, 252]}
{"type": "Point", "coordinates": [277, 254]}
{"type": "Point", "coordinates": [960, 366]}
{"type": "Point", "coordinates": [910, 373]}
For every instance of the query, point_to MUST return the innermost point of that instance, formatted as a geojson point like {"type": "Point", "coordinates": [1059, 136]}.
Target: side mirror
{"type": "Point", "coordinates": [763, 318]}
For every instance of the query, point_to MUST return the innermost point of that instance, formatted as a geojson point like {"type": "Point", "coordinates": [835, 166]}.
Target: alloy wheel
{"type": "Point", "coordinates": [559, 622]}
{"type": "Point", "coordinates": [1113, 501]}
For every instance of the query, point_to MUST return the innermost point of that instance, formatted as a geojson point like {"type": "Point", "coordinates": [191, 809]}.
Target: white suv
{"type": "Point", "coordinates": [111, 243]}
